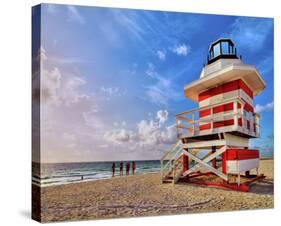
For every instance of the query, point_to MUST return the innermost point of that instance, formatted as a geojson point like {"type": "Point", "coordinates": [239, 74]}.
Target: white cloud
{"type": "Point", "coordinates": [169, 135]}
{"type": "Point", "coordinates": [267, 107]}
{"type": "Point", "coordinates": [181, 50]}
{"type": "Point", "coordinates": [250, 33]}
{"type": "Point", "coordinates": [71, 90]}
{"type": "Point", "coordinates": [73, 128]}
{"type": "Point", "coordinates": [150, 71]}
{"type": "Point", "coordinates": [69, 140]}
{"type": "Point", "coordinates": [161, 55]}
{"type": "Point", "coordinates": [111, 91]}
{"type": "Point", "coordinates": [92, 120]}
{"type": "Point", "coordinates": [64, 60]}
{"type": "Point", "coordinates": [59, 88]}
{"type": "Point", "coordinates": [118, 136]}
{"type": "Point", "coordinates": [129, 21]}
{"type": "Point", "coordinates": [68, 137]}
{"type": "Point", "coordinates": [50, 85]}
{"type": "Point", "coordinates": [161, 92]}
{"type": "Point", "coordinates": [162, 115]}
{"type": "Point", "coordinates": [74, 14]}
{"type": "Point", "coordinates": [116, 124]}
{"type": "Point", "coordinates": [103, 145]}
{"type": "Point", "coordinates": [148, 135]}
{"type": "Point", "coordinates": [70, 121]}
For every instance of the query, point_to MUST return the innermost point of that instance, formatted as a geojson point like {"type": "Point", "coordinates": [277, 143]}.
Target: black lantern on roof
{"type": "Point", "coordinates": [222, 48]}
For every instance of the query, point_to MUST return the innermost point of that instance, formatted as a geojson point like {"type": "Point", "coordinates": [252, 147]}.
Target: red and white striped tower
{"type": "Point", "coordinates": [223, 123]}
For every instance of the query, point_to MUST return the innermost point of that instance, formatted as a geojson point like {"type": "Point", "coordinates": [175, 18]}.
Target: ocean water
{"type": "Point", "coordinates": [48, 174]}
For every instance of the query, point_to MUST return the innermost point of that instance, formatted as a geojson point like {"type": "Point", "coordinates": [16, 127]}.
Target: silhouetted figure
{"type": "Point", "coordinates": [113, 169]}
{"type": "Point", "coordinates": [82, 177]}
{"type": "Point", "coordinates": [127, 168]}
{"type": "Point", "coordinates": [133, 167]}
{"type": "Point", "coordinates": [121, 168]}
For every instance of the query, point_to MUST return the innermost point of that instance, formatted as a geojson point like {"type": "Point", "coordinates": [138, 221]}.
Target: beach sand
{"type": "Point", "coordinates": [144, 195]}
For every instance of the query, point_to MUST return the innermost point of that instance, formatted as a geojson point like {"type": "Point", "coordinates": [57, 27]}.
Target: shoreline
{"type": "Point", "coordinates": [145, 195]}
{"type": "Point", "coordinates": [92, 180]}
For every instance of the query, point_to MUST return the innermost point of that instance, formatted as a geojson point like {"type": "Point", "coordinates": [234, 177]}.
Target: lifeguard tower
{"type": "Point", "coordinates": [213, 139]}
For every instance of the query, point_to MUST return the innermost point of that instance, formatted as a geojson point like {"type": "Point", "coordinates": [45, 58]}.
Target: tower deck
{"type": "Point", "coordinates": [190, 126]}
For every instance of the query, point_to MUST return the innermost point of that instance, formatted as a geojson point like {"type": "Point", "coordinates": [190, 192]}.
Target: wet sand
{"type": "Point", "coordinates": [144, 195]}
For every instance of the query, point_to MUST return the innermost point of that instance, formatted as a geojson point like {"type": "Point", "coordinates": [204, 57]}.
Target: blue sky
{"type": "Point", "coordinates": [113, 78]}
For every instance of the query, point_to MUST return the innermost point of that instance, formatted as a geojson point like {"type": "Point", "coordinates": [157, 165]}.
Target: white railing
{"type": "Point", "coordinates": [189, 121]}
{"type": "Point", "coordinates": [256, 117]}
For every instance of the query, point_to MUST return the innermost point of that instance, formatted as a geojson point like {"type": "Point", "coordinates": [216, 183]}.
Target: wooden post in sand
{"type": "Point", "coordinates": [214, 161]}
{"type": "Point", "coordinates": [185, 164]}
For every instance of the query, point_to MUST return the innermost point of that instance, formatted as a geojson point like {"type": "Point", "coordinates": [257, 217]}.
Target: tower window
{"type": "Point", "coordinates": [225, 48]}
{"type": "Point", "coordinates": [222, 48]}
{"type": "Point", "coordinates": [217, 50]}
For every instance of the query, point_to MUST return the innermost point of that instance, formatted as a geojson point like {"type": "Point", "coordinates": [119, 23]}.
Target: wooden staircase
{"type": "Point", "coordinates": [171, 164]}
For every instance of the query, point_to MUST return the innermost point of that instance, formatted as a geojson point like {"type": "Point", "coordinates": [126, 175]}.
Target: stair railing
{"type": "Point", "coordinates": [168, 161]}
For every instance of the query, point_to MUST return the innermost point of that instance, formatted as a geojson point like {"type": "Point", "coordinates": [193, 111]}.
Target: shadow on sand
{"type": "Point", "coordinates": [264, 187]}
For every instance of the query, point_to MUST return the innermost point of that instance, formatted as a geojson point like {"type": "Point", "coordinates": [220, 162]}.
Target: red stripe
{"type": "Point", "coordinates": [205, 126]}
{"type": "Point", "coordinates": [227, 87]}
{"type": "Point", "coordinates": [245, 88]}
{"type": "Point", "coordinates": [204, 113]}
{"type": "Point", "coordinates": [240, 121]}
{"type": "Point", "coordinates": [219, 124]}
{"type": "Point", "coordinates": [224, 108]}
{"type": "Point", "coordinates": [218, 109]}
{"type": "Point", "coordinates": [241, 154]}
{"type": "Point", "coordinates": [230, 86]}
{"type": "Point", "coordinates": [248, 107]}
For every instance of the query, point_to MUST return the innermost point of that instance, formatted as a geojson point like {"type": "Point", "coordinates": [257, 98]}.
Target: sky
{"type": "Point", "coordinates": [112, 79]}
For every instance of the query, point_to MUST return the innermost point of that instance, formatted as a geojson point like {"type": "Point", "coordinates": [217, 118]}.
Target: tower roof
{"type": "Point", "coordinates": [222, 48]}
{"type": "Point", "coordinates": [229, 72]}
{"type": "Point", "coordinates": [224, 66]}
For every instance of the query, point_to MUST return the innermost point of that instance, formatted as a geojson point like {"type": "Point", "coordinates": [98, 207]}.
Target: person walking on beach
{"type": "Point", "coordinates": [121, 168]}
{"type": "Point", "coordinates": [127, 168]}
{"type": "Point", "coordinates": [113, 169]}
{"type": "Point", "coordinates": [133, 167]}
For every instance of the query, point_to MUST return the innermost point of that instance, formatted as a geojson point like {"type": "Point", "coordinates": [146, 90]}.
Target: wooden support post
{"type": "Point", "coordinates": [193, 125]}
{"type": "Point", "coordinates": [223, 156]}
{"type": "Point", "coordinates": [214, 161]}
{"type": "Point", "coordinates": [238, 179]}
{"type": "Point", "coordinates": [185, 164]}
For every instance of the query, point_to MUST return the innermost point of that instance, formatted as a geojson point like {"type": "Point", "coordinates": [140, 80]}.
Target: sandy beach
{"type": "Point", "coordinates": [144, 195]}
